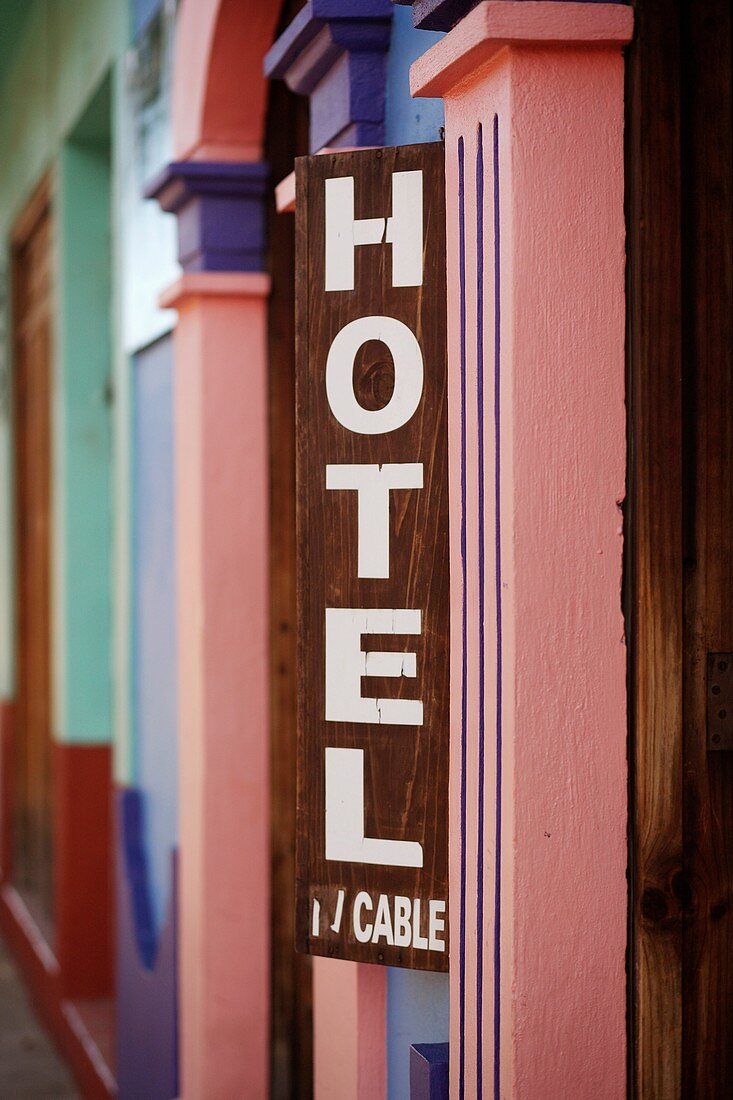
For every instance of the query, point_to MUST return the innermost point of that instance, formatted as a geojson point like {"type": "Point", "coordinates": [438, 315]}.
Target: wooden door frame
{"type": "Point", "coordinates": [38, 206]}
{"type": "Point", "coordinates": [291, 1008]}
{"type": "Point", "coordinates": [41, 198]}
{"type": "Point", "coordinates": [63, 972]}
{"type": "Point", "coordinates": [674, 365]}
{"type": "Point", "coordinates": [653, 574]}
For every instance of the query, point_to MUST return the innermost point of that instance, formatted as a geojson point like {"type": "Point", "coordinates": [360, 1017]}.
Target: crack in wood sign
{"type": "Point", "coordinates": [372, 516]}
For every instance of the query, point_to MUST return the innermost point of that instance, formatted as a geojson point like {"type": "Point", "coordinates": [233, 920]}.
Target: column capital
{"type": "Point", "coordinates": [335, 51]}
{"type": "Point", "coordinates": [220, 206]}
{"type": "Point", "coordinates": [494, 24]}
{"type": "Point", "coordinates": [215, 284]}
{"type": "Point", "coordinates": [442, 15]}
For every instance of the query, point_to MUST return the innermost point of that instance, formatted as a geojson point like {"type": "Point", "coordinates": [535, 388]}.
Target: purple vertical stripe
{"type": "Point", "coordinates": [499, 653]}
{"type": "Point", "coordinates": [464, 612]}
{"type": "Point", "coordinates": [480, 398]}
{"type": "Point", "coordinates": [481, 608]}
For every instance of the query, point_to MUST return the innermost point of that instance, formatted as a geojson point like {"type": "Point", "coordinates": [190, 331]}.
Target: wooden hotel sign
{"type": "Point", "coordinates": [372, 510]}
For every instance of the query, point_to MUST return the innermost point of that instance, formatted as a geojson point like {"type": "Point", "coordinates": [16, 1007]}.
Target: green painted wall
{"type": "Point", "coordinates": [58, 60]}
{"type": "Point", "coordinates": [82, 476]}
{"type": "Point", "coordinates": [54, 118]}
{"type": "Point", "coordinates": [123, 762]}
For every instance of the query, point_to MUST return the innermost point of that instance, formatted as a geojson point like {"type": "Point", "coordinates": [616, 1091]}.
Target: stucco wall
{"type": "Point", "coordinates": [408, 120]}
{"type": "Point", "coordinates": [82, 434]}
{"type": "Point", "coordinates": [51, 66]}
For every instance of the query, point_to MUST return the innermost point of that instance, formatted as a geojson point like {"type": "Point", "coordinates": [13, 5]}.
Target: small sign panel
{"type": "Point", "coordinates": [372, 514]}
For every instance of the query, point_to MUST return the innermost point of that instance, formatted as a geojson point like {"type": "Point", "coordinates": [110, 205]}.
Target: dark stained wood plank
{"type": "Point", "coordinates": [654, 546]}
{"type": "Point", "coordinates": [291, 1054]}
{"type": "Point", "coordinates": [32, 797]}
{"type": "Point", "coordinates": [680, 569]}
{"type": "Point", "coordinates": [405, 767]}
{"type": "Point", "coordinates": [707, 158]}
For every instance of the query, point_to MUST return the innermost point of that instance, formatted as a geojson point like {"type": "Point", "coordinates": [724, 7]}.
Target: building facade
{"type": "Point", "coordinates": [148, 551]}
{"type": "Point", "coordinates": [88, 609]}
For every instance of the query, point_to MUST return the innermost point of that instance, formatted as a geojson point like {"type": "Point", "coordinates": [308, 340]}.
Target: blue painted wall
{"type": "Point", "coordinates": [417, 1012]}
{"type": "Point", "coordinates": [147, 972]}
{"type": "Point", "coordinates": [417, 1003]}
{"type": "Point", "coordinates": [154, 650]}
{"type": "Point", "coordinates": [409, 120]}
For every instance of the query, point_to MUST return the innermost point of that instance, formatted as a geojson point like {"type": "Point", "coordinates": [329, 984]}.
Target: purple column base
{"type": "Point", "coordinates": [221, 211]}
{"type": "Point", "coordinates": [147, 995]}
{"type": "Point", "coordinates": [429, 1071]}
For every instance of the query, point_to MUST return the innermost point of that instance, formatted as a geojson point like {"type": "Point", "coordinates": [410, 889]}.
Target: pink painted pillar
{"type": "Point", "coordinates": [222, 555]}
{"type": "Point", "coordinates": [349, 1030]}
{"type": "Point", "coordinates": [534, 145]}
{"type": "Point", "coordinates": [217, 187]}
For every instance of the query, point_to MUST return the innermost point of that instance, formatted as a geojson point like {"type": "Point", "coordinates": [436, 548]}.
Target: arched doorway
{"type": "Point", "coordinates": [244, 995]}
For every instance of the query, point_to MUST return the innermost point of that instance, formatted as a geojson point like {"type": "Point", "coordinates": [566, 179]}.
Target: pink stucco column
{"type": "Point", "coordinates": [349, 1030]}
{"type": "Point", "coordinates": [534, 148]}
{"type": "Point", "coordinates": [222, 555]}
{"type": "Point", "coordinates": [218, 183]}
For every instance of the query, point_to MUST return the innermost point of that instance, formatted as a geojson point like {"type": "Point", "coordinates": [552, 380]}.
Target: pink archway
{"type": "Point", "coordinates": [219, 110]}
{"type": "Point", "coordinates": [220, 92]}
{"type": "Point", "coordinates": [219, 104]}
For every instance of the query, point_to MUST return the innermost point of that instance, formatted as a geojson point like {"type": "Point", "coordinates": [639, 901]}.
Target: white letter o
{"type": "Point", "coordinates": [408, 375]}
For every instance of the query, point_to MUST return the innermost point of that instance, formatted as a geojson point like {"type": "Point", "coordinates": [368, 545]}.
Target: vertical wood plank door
{"type": "Point", "coordinates": [654, 544]}
{"type": "Point", "coordinates": [680, 563]}
{"type": "Point", "coordinates": [291, 1032]}
{"type": "Point", "coordinates": [707, 296]}
{"type": "Point", "coordinates": [32, 801]}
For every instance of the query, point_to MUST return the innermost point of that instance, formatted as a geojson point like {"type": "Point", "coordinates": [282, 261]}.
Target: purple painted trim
{"type": "Point", "coordinates": [481, 505]}
{"type": "Point", "coordinates": [442, 15]}
{"type": "Point", "coordinates": [221, 210]}
{"type": "Point", "coordinates": [481, 609]}
{"type": "Point", "coordinates": [429, 1071]}
{"type": "Point", "coordinates": [335, 51]}
{"type": "Point", "coordinates": [134, 857]}
{"type": "Point", "coordinates": [499, 636]}
{"type": "Point", "coordinates": [303, 60]}
{"type": "Point", "coordinates": [357, 26]}
{"type": "Point", "coordinates": [464, 623]}
{"type": "Point", "coordinates": [351, 9]}
{"type": "Point", "coordinates": [147, 989]}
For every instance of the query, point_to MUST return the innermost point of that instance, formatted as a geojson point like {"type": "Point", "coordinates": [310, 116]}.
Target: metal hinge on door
{"type": "Point", "coordinates": [719, 712]}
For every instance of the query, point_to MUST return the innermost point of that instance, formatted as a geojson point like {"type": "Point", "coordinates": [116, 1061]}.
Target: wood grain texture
{"type": "Point", "coordinates": [406, 767]}
{"type": "Point", "coordinates": [707, 157]}
{"type": "Point", "coordinates": [291, 1054]}
{"type": "Point", "coordinates": [654, 562]}
{"type": "Point", "coordinates": [680, 547]}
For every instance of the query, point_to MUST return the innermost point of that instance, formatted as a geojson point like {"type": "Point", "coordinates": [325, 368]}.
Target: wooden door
{"type": "Point", "coordinates": [32, 843]}
{"type": "Point", "coordinates": [680, 546]}
{"type": "Point", "coordinates": [291, 1057]}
